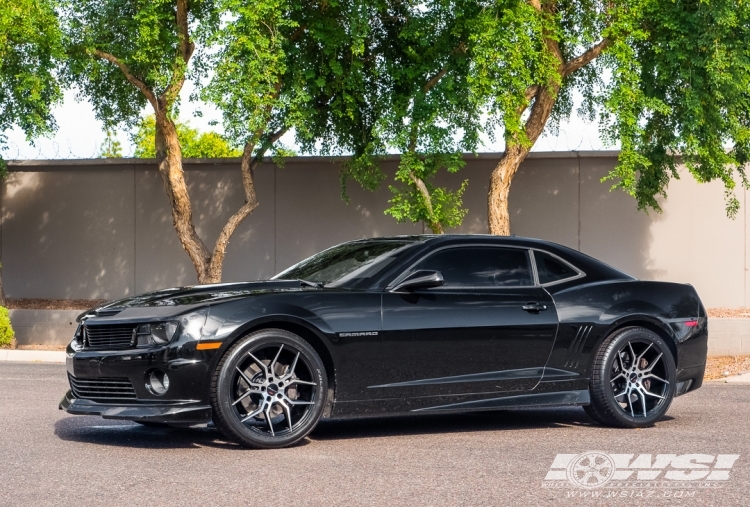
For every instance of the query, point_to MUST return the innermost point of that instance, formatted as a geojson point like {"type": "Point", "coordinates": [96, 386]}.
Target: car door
{"type": "Point", "coordinates": [489, 328]}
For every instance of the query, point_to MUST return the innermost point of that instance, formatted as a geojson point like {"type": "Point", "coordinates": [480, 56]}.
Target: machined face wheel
{"type": "Point", "coordinates": [632, 379]}
{"type": "Point", "coordinates": [638, 377]}
{"type": "Point", "coordinates": [274, 390]}
{"type": "Point", "coordinates": [269, 389]}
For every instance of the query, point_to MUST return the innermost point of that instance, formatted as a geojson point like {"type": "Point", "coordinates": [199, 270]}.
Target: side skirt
{"type": "Point", "coordinates": [562, 398]}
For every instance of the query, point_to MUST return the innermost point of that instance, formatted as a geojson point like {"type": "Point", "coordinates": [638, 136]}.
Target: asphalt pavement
{"type": "Point", "coordinates": [514, 458]}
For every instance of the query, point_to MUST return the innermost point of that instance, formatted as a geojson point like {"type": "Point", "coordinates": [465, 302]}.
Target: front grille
{"type": "Point", "coordinates": [102, 388]}
{"type": "Point", "coordinates": [109, 337]}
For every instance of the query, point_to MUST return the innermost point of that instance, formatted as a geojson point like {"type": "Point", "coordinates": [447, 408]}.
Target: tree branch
{"type": "Point", "coordinates": [585, 58]}
{"type": "Point", "coordinates": [128, 75]}
{"type": "Point", "coordinates": [184, 52]}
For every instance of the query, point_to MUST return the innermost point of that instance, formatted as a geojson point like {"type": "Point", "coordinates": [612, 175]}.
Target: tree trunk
{"type": "Point", "coordinates": [208, 265]}
{"type": "Point", "coordinates": [169, 160]}
{"type": "Point", "coordinates": [515, 153]}
{"type": "Point", "coordinates": [247, 167]}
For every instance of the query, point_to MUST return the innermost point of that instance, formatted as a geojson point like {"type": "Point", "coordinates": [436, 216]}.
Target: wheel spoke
{"type": "Point", "coordinates": [653, 363]}
{"type": "Point", "coordinates": [621, 394]}
{"type": "Point", "coordinates": [253, 414]}
{"type": "Point", "coordinates": [302, 382]}
{"type": "Point", "coordinates": [643, 353]}
{"type": "Point", "coordinates": [260, 363]}
{"type": "Point", "coordinates": [653, 394]}
{"type": "Point", "coordinates": [247, 393]}
{"type": "Point", "coordinates": [622, 365]}
{"type": "Point", "coordinates": [643, 401]}
{"type": "Point", "coordinates": [651, 375]}
{"type": "Point", "coordinates": [268, 418]}
{"type": "Point", "coordinates": [273, 363]}
{"type": "Point", "coordinates": [297, 402]}
{"type": "Point", "coordinates": [287, 414]}
{"type": "Point", "coordinates": [290, 369]}
{"type": "Point", "coordinates": [621, 374]}
{"type": "Point", "coordinates": [632, 354]}
{"type": "Point", "coordinates": [630, 402]}
{"type": "Point", "coordinates": [249, 382]}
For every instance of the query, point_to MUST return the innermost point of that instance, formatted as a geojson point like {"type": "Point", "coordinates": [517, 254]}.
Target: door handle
{"type": "Point", "coordinates": [534, 307]}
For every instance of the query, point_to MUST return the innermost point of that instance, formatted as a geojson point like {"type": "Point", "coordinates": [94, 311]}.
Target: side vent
{"type": "Point", "coordinates": [576, 346]}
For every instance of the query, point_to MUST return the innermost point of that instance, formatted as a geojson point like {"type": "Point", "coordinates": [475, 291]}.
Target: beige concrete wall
{"type": "Point", "coordinates": [102, 229]}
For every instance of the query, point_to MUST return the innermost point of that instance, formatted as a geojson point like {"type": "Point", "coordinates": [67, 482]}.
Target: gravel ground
{"type": "Point", "coordinates": [495, 458]}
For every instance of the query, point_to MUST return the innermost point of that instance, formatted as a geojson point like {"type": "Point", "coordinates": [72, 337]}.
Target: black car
{"type": "Point", "coordinates": [393, 325]}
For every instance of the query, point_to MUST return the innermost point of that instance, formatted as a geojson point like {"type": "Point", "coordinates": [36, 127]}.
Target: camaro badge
{"type": "Point", "coordinates": [362, 333]}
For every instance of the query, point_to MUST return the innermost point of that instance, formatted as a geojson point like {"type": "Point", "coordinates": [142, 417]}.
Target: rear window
{"type": "Point", "coordinates": [550, 269]}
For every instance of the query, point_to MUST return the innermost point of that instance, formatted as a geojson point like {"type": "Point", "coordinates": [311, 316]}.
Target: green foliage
{"type": "Point", "coordinates": [144, 37]}
{"type": "Point", "coordinates": [194, 144]}
{"type": "Point", "coordinates": [403, 89]}
{"type": "Point", "coordinates": [111, 148]}
{"type": "Point", "coordinates": [409, 202]}
{"type": "Point", "coordinates": [6, 329]}
{"type": "Point", "coordinates": [30, 46]}
{"type": "Point", "coordinates": [681, 87]}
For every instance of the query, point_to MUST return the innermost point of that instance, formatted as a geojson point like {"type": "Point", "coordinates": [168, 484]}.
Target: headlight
{"type": "Point", "coordinates": [159, 333]}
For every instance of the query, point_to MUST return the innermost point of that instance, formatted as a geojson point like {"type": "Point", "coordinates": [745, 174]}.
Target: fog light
{"type": "Point", "coordinates": [158, 382]}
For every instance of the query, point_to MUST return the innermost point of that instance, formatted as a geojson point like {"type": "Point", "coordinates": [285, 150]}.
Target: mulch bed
{"type": "Point", "coordinates": [53, 304]}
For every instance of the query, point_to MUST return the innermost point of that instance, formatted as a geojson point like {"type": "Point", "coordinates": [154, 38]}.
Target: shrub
{"type": "Point", "coordinates": [6, 330]}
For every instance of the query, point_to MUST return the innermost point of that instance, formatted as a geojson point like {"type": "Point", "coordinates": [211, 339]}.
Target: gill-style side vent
{"type": "Point", "coordinates": [108, 312]}
{"type": "Point", "coordinates": [576, 346]}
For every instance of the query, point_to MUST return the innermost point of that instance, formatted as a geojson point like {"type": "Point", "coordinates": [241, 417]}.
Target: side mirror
{"type": "Point", "coordinates": [422, 279]}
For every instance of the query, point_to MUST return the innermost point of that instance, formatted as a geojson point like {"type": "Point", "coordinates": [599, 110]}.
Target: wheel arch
{"type": "Point", "coordinates": [303, 329]}
{"type": "Point", "coordinates": [646, 322]}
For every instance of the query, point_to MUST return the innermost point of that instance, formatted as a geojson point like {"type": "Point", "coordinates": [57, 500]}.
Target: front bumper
{"type": "Point", "coordinates": [187, 400]}
{"type": "Point", "coordinates": [170, 413]}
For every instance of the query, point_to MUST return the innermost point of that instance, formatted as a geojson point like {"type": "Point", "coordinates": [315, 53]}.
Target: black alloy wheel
{"type": "Point", "coordinates": [269, 390]}
{"type": "Point", "coordinates": [633, 379]}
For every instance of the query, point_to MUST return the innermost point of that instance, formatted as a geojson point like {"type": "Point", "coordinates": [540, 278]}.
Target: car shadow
{"type": "Point", "coordinates": [94, 430]}
{"type": "Point", "coordinates": [424, 424]}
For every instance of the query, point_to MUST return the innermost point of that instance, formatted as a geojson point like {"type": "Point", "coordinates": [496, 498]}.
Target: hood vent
{"type": "Point", "coordinates": [108, 312]}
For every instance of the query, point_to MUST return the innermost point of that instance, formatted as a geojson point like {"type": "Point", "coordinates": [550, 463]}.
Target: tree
{"type": "Point", "coordinates": [30, 48]}
{"type": "Point", "coordinates": [194, 144]}
{"type": "Point", "coordinates": [111, 148]}
{"type": "Point", "coordinates": [666, 79]}
{"type": "Point", "coordinates": [275, 64]}
{"type": "Point", "coordinates": [409, 97]}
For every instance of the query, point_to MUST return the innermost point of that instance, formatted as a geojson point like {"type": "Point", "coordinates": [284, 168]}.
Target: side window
{"type": "Point", "coordinates": [551, 269]}
{"type": "Point", "coordinates": [481, 267]}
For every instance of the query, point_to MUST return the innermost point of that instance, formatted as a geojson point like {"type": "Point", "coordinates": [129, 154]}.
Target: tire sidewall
{"type": "Point", "coordinates": [613, 348]}
{"type": "Point", "coordinates": [236, 355]}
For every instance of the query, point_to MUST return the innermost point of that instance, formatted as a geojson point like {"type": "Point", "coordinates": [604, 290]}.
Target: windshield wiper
{"type": "Point", "coordinates": [306, 283]}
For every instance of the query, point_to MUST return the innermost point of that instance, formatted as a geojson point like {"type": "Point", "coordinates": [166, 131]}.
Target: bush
{"type": "Point", "coordinates": [6, 330]}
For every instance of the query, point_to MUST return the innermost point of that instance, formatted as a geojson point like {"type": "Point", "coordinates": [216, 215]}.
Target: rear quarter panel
{"type": "Point", "coordinates": [590, 313]}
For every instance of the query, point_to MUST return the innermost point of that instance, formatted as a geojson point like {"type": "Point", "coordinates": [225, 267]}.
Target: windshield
{"type": "Point", "coordinates": [348, 264]}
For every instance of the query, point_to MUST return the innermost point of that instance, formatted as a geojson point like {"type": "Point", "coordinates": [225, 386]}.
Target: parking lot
{"type": "Point", "coordinates": [494, 458]}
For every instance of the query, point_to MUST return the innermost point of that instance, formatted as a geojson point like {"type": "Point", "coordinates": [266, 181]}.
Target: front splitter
{"type": "Point", "coordinates": [176, 413]}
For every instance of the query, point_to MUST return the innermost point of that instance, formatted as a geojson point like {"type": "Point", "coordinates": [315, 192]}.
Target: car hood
{"type": "Point", "coordinates": [192, 296]}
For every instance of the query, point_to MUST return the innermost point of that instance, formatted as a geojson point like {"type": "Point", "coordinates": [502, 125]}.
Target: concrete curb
{"type": "Point", "coordinates": [738, 379]}
{"type": "Point", "coordinates": [33, 356]}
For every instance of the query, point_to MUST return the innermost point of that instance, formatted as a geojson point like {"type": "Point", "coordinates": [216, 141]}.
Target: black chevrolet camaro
{"type": "Point", "coordinates": [421, 324]}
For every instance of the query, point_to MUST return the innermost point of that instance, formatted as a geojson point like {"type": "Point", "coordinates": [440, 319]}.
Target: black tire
{"type": "Point", "coordinates": [593, 413]}
{"type": "Point", "coordinates": [257, 401]}
{"type": "Point", "coordinates": [632, 380]}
